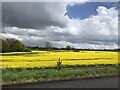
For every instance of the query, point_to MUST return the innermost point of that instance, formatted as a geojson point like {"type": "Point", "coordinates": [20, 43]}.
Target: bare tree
{"type": "Point", "coordinates": [48, 45]}
{"type": "Point", "coordinates": [68, 47]}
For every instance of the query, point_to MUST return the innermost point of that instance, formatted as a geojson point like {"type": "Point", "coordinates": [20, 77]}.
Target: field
{"type": "Point", "coordinates": [41, 65]}
{"type": "Point", "coordinates": [44, 59]}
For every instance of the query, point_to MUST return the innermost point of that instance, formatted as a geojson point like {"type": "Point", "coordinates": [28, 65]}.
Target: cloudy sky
{"type": "Point", "coordinates": [80, 25]}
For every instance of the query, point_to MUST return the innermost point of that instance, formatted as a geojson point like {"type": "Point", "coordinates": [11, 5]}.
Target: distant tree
{"type": "Point", "coordinates": [48, 46]}
{"type": "Point", "coordinates": [0, 45]}
{"type": "Point", "coordinates": [5, 47]}
{"type": "Point", "coordinates": [10, 40]}
{"type": "Point", "coordinates": [68, 47]}
{"type": "Point", "coordinates": [17, 46]}
{"type": "Point", "coordinates": [12, 45]}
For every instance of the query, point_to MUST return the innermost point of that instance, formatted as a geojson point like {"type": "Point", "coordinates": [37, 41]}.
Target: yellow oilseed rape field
{"type": "Point", "coordinates": [42, 59]}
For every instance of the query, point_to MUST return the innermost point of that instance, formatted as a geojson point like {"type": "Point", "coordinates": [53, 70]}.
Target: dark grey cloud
{"type": "Point", "coordinates": [33, 14]}
{"type": "Point", "coordinates": [36, 23]}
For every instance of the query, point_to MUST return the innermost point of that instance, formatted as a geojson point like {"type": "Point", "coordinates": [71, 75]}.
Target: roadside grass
{"type": "Point", "coordinates": [23, 75]}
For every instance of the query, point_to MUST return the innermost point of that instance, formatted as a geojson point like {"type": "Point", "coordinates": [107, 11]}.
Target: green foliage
{"type": "Point", "coordinates": [17, 46]}
{"type": "Point", "coordinates": [5, 47]}
{"type": "Point", "coordinates": [13, 45]}
{"type": "Point", "coordinates": [27, 50]}
{"type": "Point", "coordinates": [18, 75]}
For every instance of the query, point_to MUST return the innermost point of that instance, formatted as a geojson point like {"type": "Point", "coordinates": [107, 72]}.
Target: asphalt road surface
{"type": "Point", "coordinates": [103, 82]}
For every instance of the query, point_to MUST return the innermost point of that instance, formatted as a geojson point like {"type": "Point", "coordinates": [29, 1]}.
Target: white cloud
{"type": "Point", "coordinates": [103, 26]}
{"type": "Point", "coordinates": [97, 31]}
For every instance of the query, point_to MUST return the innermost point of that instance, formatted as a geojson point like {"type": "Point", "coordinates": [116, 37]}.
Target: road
{"type": "Point", "coordinates": [102, 82]}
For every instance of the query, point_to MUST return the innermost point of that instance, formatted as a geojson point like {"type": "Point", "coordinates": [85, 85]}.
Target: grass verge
{"type": "Point", "coordinates": [34, 75]}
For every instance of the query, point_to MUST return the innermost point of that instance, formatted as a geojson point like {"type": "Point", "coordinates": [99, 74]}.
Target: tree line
{"type": "Point", "coordinates": [13, 45]}
{"type": "Point", "coordinates": [48, 46]}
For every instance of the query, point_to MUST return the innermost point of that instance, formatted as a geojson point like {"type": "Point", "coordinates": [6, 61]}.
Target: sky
{"type": "Point", "coordinates": [83, 25]}
{"type": "Point", "coordinates": [89, 8]}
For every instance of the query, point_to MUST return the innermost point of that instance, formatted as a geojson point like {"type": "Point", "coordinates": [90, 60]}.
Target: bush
{"type": "Point", "coordinates": [75, 50]}
{"type": "Point", "coordinates": [27, 50]}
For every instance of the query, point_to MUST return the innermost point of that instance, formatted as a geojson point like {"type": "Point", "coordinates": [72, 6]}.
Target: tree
{"type": "Point", "coordinates": [5, 47]}
{"type": "Point", "coordinates": [13, 45]}
{"type": "Point", "coordinates": [48, 46]}
{"type": "Point", "coordinates": [68, 47]}
{"type": "Point", "coordinates": [0, 45]}
{"type": "Point", "coordinates": [17, 46]}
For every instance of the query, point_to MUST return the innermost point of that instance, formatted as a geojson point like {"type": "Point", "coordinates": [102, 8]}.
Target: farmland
{"type": "Point", "coordinates": [41, 65]}
{"type": "Point", "coordinates": [43, 59]}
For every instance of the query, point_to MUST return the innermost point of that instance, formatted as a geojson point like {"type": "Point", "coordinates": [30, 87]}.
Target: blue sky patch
{"type": "Point", "coordinates": [83, 11]}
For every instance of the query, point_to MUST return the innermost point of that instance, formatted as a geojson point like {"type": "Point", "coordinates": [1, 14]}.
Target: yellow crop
{"type": "Point", "coordinates": [49, 59]}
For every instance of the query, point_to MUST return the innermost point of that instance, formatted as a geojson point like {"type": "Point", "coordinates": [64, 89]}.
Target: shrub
{"type": "Point", "coordinates": [27, 50]}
